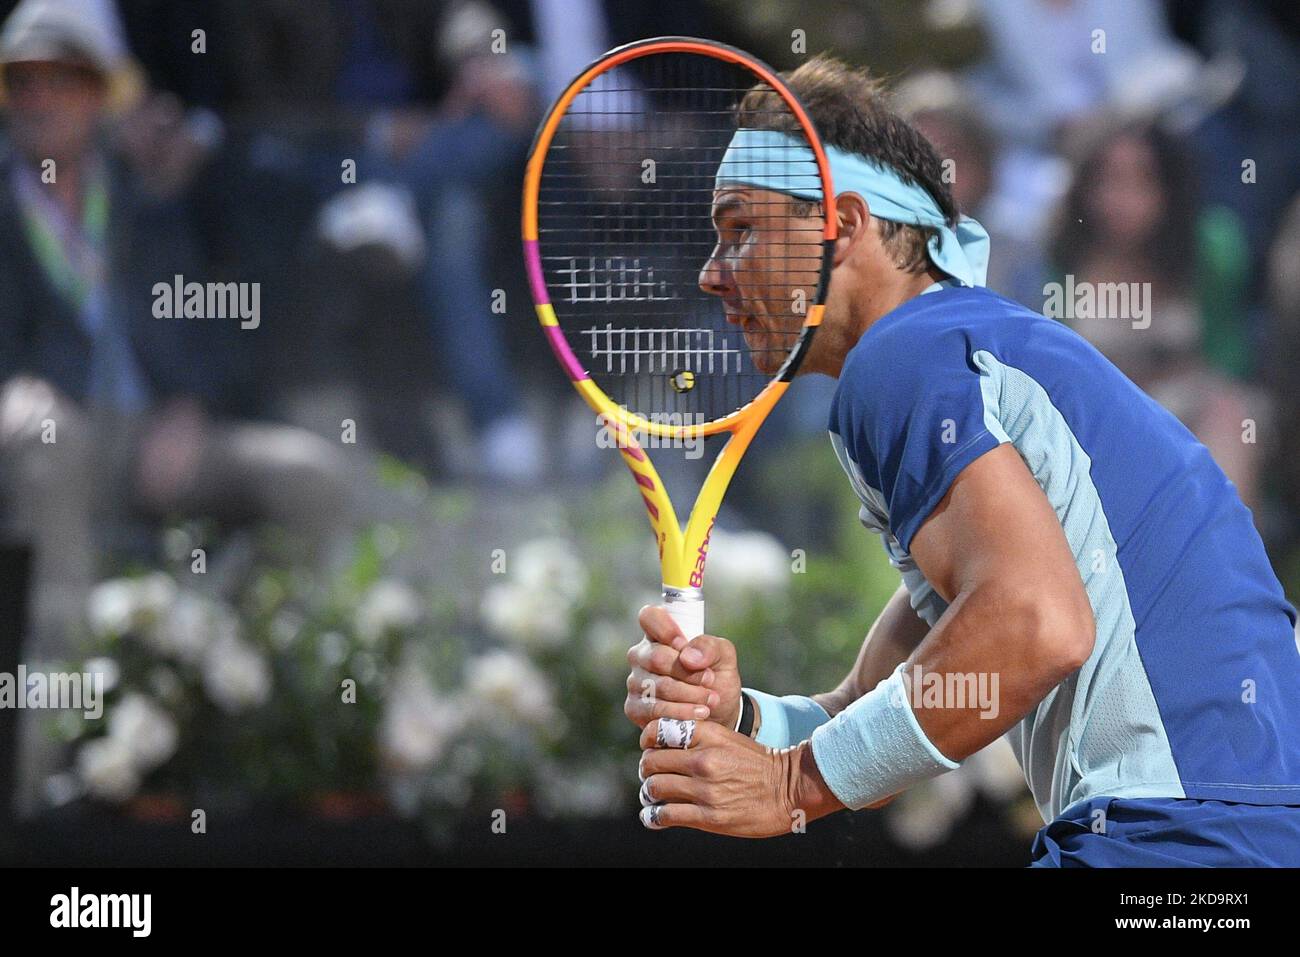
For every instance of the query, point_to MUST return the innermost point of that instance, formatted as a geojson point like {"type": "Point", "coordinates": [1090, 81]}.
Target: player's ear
{"type": "Point", "coordinates": [854, 217]}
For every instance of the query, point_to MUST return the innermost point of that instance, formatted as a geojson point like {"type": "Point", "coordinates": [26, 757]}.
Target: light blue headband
{"type": "Point", "coordinates": [776, 161]}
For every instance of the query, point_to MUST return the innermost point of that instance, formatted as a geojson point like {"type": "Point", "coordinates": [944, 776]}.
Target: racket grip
{"type": "Point", "coordinates": [686, 605]}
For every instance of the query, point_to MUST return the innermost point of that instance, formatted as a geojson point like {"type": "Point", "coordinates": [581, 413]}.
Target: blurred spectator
{"type": "Point", "coordinates": [938, 106]}
{"type": "Point", "coordinates": [1053, 63]}
{"type": "Point", "coordinates": [106, 410]}
{"type": "Point", "coordinates": [1248, 151]}
{"type": "Point", "coordinates": [427, 97]}
{"type": "Point", "coordinates": [476, 142]}
{"type": "Point", "coordinates": [413, 94]}
{"type": "Point", "coordinates": [1282, 371]}
{"type": "Point", "coordinates": [1130, 217]}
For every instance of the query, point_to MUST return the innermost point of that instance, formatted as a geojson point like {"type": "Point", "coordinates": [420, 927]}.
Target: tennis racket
{"type": "Point", "coordinates": [618, 236]}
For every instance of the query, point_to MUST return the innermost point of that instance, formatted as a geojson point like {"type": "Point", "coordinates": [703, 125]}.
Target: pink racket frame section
{"type": "Point", "coordinates": [537, 283]}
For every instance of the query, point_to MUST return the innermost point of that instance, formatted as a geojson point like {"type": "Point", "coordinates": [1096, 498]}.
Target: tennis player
{"type": "Point", "coordinates": [1077, 573]}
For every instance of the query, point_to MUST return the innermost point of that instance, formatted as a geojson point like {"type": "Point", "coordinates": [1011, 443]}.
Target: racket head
{"type": "Point", "coordinates": [617, 227]}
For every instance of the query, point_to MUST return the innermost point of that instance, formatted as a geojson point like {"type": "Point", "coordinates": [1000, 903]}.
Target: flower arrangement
{"type": "Point", "coordinates": [440, 662]}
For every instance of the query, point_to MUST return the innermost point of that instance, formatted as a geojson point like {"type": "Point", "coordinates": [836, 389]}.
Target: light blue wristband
{"type": "Point", "coordinates": [875, 747]}
{"type": "Point", "coordinates": [787, 720]}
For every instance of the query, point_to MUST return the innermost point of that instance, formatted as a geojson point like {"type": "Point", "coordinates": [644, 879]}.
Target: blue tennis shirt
{"type": "Point", "coordinates": [1193, 687]}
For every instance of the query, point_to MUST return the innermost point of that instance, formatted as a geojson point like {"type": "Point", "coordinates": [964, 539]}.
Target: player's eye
{"type": "Point", "coordinates": [737, 232]}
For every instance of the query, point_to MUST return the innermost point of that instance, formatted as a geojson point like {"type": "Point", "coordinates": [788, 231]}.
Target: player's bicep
{"type": "Point", "coordinates": [995, 526]}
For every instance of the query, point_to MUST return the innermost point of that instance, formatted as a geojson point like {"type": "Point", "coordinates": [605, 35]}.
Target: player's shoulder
{"type": "Point", "coordinates": [934, 334]}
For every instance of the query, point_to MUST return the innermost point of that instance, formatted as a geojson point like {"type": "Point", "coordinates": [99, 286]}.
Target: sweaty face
{"type": "Point", "coordinates": [764, 267]}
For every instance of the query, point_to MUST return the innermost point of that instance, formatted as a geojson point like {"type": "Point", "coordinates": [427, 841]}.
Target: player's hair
{"type": "Point", "coordinates": [851, 111]}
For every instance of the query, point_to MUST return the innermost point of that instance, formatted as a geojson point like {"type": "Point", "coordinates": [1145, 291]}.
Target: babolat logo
{"type": "Point", "coordinates": [102, 910]}
{"type": "Point", "coordinates": [697, 576]}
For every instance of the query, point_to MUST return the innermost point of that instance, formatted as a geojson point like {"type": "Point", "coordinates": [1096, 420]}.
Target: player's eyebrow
{"type": "Point", "coordinates": [728, 204]}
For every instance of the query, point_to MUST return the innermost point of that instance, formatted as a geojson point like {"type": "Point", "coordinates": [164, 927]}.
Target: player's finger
{"type": "Point", "coordinates": [669, 733]}
{"type": "Point", "coordinates": [650, 686]}
{"type": "Point", "coordinates": [641, 712]}
{"type": "Point", "coordinates": [671, 789]}
{"type": "Point", "coordinates": [664, 762]}
{"type": "Point", "coordinates": [656, 817]}
{"type": "Point", "coordinates": [662, 660]}
{"type": "Point", "coordinates": [683, 735]}
{"type": "Point", "coordinates": [660, 627]}
{"type": "Point", "coordinates": [705, 651]}
{"type": "Point", "coordinates": [702, 734]}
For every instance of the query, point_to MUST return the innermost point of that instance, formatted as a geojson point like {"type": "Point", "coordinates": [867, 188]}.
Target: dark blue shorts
{"type": "Point", "coordinates": [1169, 832]}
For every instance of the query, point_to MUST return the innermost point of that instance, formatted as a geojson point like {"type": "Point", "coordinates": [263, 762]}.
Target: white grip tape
{"type": "Point", "coordinates": [688, 613]}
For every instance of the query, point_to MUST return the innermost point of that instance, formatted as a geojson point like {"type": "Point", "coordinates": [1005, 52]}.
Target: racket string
{"type": "Point", "coordinates": [626, 231]}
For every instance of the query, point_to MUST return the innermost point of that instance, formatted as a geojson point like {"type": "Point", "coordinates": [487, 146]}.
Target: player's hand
{"type": "Point", "coordinates": [725, 783]}
{"type": "Point", "coordinates": [675, 678]}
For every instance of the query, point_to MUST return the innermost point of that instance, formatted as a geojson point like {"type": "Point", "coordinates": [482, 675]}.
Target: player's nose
{"type": "Point", "coordinates": [715, 277]}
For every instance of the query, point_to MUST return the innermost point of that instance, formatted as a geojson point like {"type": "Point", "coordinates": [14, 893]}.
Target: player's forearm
{"type": "Point", "coordinates": [988, 661]}
{"type": "Point", "coordinates": [997, 651]}
{"type": "Point", "coordinates": [895, 634]}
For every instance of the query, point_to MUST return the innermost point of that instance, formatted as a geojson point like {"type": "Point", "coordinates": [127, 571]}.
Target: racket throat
{"type": "Point", "coordinates": [686, 605]}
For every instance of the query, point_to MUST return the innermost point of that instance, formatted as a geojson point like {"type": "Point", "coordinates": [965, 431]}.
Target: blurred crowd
{"type": "Point", "coordinates": [1169, 160]}
{"type": "Point", "coordinates": [358, 161]}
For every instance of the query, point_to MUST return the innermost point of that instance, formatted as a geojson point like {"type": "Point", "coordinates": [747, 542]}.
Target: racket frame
{"type": "Point", "coordinates": [682, 550]}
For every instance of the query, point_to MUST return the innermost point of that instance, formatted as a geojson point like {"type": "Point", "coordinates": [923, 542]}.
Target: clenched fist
{"type": "Point", "coordinates": [675, 678]}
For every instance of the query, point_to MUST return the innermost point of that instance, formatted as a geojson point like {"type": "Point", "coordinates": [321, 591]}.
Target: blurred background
{"type": "Point", "coordinates": [314, 546]}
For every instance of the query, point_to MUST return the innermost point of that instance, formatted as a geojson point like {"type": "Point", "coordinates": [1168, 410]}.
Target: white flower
{"type": "Point", "coordinates": [922, 817]}
{"type": "Point", "coordinates": [120, 605]}
{"type": "Point", "coordinates": [109, 607]}
{"type": "Point", "coordinates": [607, 646]}
{"type": "Point", "coordinates": [387, 606]}
{"type": "Point", "coordinates": [505, 683]}
{"type": "Point", "coordinates": [108, 671]}
{"type": "Point", "coordinates": [154, 594]}
{"type": "Point", "coordinates": [235, 675]}
{"type": "Point", "coordinates": [534, 607]}
{"type": "Point", "coordinates": [744, 564]}
{"type": "Point", "coordinates": [503, 611]}
{"type": "Point", "coordinates": [62, 788]}
{"type": "Point", "coordinates": [418, 724]}
{"type": "Point", "coordinates": [192, 624]}
{"type": "Point", "coordinates": [332, 649]}
{"type": "Point", "coordinates": [178, 544]}
{"type": "Point", "coordinates": [286, 626]}
{"type": "Point", "coordinates": [996, 771]}
{"type": "Point", "coordinates": [549, 564]}
{"type": "Point", "coordinates": [107, 769]}
{"type": "Point", "coordinates": [528, 616]}
{"type": "Point", "coordinates": [148, 731]}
